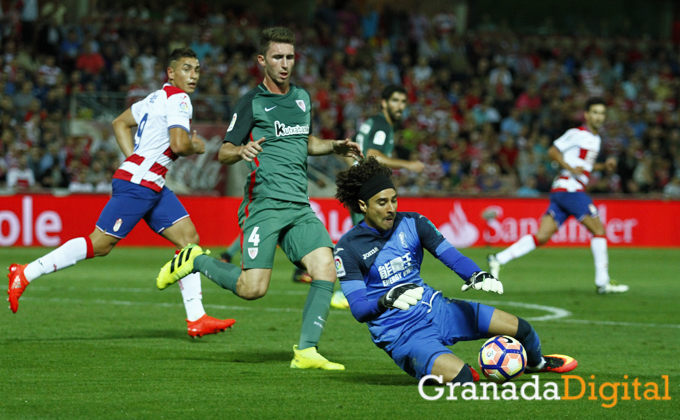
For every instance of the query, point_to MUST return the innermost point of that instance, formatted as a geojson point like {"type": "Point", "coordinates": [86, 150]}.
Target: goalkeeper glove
{"type": "Point", "coordinates": [481, 280]}
{"type": "Point", "coordinates": [402, 297]}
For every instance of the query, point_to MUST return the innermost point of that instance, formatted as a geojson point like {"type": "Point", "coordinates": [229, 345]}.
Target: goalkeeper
{"type": "Point", "coordinates": [378, 264]}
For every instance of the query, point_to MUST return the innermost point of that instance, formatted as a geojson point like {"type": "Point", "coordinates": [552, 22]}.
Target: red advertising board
{"type": "Point", "coordinates": [46, 220]}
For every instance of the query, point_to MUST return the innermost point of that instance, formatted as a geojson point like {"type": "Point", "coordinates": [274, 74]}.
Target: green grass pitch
{"type": "Point", "coordinates": [99, 341]}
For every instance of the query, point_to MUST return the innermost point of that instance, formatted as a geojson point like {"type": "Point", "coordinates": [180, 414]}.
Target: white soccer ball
{"type": "Point", "coordinates": [502, 358]}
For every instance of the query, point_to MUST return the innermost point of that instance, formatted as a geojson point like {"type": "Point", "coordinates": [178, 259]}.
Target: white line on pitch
{"type": "Point", "coordinates": [141, 290]}
{"type": "Point", "coordinates": [557, 314]}
{"type": "Point", "coordinates": [617, 323]}
{"type": "Point", "coordinates": [162, 304]}
{"type": "Point", "coordinates": [554, 313]}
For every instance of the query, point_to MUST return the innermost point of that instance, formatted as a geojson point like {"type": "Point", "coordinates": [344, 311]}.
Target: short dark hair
{"type": "Point", "coordinates": [350, 180]}
{"type": "Point", "coordinates": [276, 34]}
{"type": "Point", "coordinates": [594, 101]}
{"type": "Point", "coordinates": [389, 90]}
{"type": "Point", "coordinates": [179, 53]}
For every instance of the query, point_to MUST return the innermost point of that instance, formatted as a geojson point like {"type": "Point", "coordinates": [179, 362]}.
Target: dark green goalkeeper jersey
{"type": "Point", "coordinates": [376, 133]}
{"type": "Point", "coordinates": [280, 170]}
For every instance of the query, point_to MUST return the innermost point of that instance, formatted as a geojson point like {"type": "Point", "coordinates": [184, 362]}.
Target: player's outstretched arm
{"type": "Point", "coordinates": [231, 153]}
{"type": "Point", "coordinates": [121, 129]}
{"type": "Point", "coordinates": [609, 164]}
{"type": "Point", "coordinates": [402, 297]}
{"type": "Point", "coordinates": [348, 148]}
{"type": "Point", "coordinates": [482, 280]}
{"type": "Point", "coordinates": [182, 145]}
{"type": "Point", "coordinates": [393, 163]}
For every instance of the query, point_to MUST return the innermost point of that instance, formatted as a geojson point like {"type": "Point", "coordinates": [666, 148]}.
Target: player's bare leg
{"type": "Point", "coordinates": [523, 246]}
{"type": "Point", "coordinates": [598, 245]}
{"type": "Point", "coordinates": [546, 230]}
{"type": "Point", "coordinates": [68, 254]}
{"type": "Point", "coordinates": [199, 323]}
{"type": "Point", "coordinates": [319, 264]}
{"type": "Point", "coordinates": [453, 369]}
{"type": "Point", "coordinates": [253, 283]}
{"type": "Point", "coordinates": [102, 243]}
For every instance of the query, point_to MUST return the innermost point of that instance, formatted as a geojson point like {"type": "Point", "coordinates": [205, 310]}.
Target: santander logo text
{"type": "Point", "coordinates": [500, 229]}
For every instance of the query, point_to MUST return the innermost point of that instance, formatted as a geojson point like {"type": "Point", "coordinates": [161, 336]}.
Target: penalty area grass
{"type": "Point", "coordinates": [98, 340]}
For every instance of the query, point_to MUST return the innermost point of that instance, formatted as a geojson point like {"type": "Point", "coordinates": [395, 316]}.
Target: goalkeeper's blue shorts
{"type": "Point", "coordinates": [449, 322]}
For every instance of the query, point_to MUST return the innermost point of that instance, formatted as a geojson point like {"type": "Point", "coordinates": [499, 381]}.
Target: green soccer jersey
{"type": "Point", "coordinates": [376, 133]}
{"type": "Point", "coordinates": [285, 121]}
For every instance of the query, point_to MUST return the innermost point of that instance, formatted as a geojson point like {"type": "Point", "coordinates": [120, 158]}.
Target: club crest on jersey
{"type": "Point", "coordinates": [379, 138]}
{"type": "Point", "coordinates": [117, 225]}
{"type": "Point", "coordinates": [252, 252]}
{"type": "Point", "coordinates": [301, 104]}
{"type": "Point", "coordinates": [402, 239]}
{"type": "Point", "coordinates": [233, 122]}
{"type": "Point", "coordinates": [339, 267]}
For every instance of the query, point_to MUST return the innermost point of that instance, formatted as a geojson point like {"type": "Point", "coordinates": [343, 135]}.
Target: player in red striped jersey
{"type": "Point", "coordinates": [139, 192]}
{"type": "Point", "coordinates": [576, 153]}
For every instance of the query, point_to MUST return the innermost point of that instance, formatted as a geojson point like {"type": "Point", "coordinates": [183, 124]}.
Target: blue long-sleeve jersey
{"type": "Point", "coordinates": [369, 263]}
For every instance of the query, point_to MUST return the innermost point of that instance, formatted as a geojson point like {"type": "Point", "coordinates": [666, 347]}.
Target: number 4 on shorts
{"type": "Point", "coordinates": [254, 237]}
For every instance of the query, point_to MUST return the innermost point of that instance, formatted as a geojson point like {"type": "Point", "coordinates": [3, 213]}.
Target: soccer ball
{"type": "Point", "coordinates": [502, 358]}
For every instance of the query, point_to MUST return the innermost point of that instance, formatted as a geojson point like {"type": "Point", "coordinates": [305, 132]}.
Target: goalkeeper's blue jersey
{"type": "Point", "coordinates": [386, 259]}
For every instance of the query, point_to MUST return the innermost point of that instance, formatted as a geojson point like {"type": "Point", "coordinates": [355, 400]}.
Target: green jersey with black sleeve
{"type": "Point", "coordinates": [285, 121]}
{"type": "Point", "coordinates": [376, 133]}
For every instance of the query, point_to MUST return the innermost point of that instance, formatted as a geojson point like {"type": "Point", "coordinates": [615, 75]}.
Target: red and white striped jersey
{"type": "Point", "coordinates": [156, 114]}
{"type": "Point", "coordinates": [579, 147]}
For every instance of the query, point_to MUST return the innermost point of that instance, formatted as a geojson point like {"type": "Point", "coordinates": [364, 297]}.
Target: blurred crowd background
{"type": "Point", "coordinates": [486, 99]}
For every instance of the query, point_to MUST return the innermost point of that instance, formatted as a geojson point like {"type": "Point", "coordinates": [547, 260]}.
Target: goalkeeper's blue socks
{"type": "Point", "coordinates": [529, 339]}
{"type": "Point", "coordinates": [224, 274]}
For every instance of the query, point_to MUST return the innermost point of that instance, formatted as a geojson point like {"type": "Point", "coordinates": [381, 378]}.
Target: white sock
{"type": "Point", "coordinates": [599, 247]}
{"type": "Point", "coordinates": [65, 256]}
{"type": "Point", "coordinates": [523, 246]}
{"type": "Point", "coordinates": [191, 294]}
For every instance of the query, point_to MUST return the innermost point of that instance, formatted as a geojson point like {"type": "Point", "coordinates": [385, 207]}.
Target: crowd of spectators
{"type": "Point", "coordinates": [485, 103]}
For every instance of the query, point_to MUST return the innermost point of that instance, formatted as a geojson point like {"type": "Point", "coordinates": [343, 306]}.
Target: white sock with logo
{"type": "Point", "coordinates": [523, 246]}
{"type": "Point", "coordinates": [599, 247]}
{"type": "Point", "coordinates": [190, 286]}
{"type": "Point", "coordinates": [65, 256]}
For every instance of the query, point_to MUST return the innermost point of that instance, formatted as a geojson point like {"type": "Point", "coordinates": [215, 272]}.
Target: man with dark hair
{"type": "Point", "coordinates": [576, 152]}
{"type": "Point", "coordinates": [139, 190]}
{"type": "Point", "coordinates": [376, 138]}
{"type": "Point", "coordinates": [275, 209]}
{"type": "Point", "coordinates": [277, 35]}
{"type": "Point", "coordinates": [376, 135]}
{"type": "Point", "coordinates": [378, 263]}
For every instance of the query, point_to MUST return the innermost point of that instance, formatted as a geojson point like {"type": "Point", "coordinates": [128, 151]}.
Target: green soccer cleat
{"type": "Point", "coordinates": [310, 359]}
{"type": "Point", "coordinates": [339, 301]}
{"type": "Point", "coordinates": [179, 267]}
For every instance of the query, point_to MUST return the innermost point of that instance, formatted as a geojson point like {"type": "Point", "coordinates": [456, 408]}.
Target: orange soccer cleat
{"type": "Point", "coordinates": [208, 325]}
{"type": "Point", "coordinates": [557, 363]}
{"type": "Point", "coordinates": [475, 375]}
{"type": "Point", "coordinates": [17, 285]}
